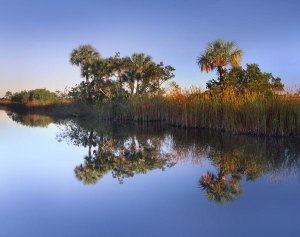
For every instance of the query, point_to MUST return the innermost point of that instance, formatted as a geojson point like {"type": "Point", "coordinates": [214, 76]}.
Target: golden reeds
{"type": "Point", "coordinates": [247, 114]}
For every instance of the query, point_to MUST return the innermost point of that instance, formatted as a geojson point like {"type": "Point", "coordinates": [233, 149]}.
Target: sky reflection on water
{"type": "Point", "coordinates": [253, 187]}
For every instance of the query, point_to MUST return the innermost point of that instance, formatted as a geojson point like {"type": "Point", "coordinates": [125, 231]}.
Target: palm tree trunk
{"type": "Point", "coordinates": [131, 85]}
{"type": "Point", "coordinates": [89, 96]}
{"type": "Point", "coordinates": [222, 71]}
{"type": "Point", "coordinates": [137, 87]}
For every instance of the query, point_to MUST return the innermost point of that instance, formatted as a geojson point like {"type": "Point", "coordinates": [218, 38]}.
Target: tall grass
{"type": "Point", "coordinates": [247, 114]}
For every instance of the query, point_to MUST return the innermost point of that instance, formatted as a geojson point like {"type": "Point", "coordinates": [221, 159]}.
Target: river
{"type": "Point", "coordinates": [94, 178]}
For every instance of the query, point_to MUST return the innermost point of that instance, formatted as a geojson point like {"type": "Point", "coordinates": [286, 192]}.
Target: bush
{"type": "Point", "coordinates": [37, 96]}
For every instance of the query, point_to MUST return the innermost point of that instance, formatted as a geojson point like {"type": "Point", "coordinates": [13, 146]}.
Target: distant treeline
{"type": "Point", "coordinates": [32, 97]}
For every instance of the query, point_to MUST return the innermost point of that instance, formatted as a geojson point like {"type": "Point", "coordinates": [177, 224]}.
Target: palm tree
{"type": "Point", "coordinates": [136, 68]}
{"type": "Point", "coordinates": [141, 61]}
{"type": "Point", "coordinates": [218, 55]}
{"type": "Point", "coordinates": [83, 56]}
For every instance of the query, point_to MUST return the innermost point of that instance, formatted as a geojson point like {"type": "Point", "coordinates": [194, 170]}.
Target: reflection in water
{"type": "Point", "coordinates": [30, 120]}
{"type": "Point", "coordinates": [239, 156]}
{"type": "Point", "coordinates": [113, 148]}
{"type": "Point", "coordinates": [124, 160]}
{"type": "Point", "coordinates": [126, 150]}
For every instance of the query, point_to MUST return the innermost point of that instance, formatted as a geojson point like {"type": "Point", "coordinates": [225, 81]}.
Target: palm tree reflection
{"type": "Point", "coordinates": [235, 157]}
{"type": "Point", "coordinates": [220, 188]}
{"type": "Point", "coordinates": [122, 155]}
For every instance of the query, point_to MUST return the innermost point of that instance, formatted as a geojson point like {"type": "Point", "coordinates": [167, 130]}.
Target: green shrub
{"type": "Point", "coordinates": [37, 96]}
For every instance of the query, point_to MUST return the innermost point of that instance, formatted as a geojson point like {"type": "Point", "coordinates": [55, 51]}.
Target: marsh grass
{"type": "Point", "coordinates": [247, 114]}
{"type": "Point", "coordinates": [229, 112]}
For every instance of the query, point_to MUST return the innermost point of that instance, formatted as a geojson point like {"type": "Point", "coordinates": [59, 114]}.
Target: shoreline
{"type": "Point", "coordinates": [73, 111]}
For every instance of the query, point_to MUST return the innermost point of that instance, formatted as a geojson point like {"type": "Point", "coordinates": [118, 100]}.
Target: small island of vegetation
{"type": "Point", "coordinates": [136, 88]}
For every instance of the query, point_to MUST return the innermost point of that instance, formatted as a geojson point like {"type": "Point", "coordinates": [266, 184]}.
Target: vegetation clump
{"type": "Point", "coordinates": [33, 97]}
{"type": "Point", "coordinates": [115, 78]}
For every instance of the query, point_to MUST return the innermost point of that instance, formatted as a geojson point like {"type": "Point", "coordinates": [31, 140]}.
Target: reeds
{"type": "Point", "coordinates": [240, 114]}
{"type": "Point", "coordinates": [247, 114]}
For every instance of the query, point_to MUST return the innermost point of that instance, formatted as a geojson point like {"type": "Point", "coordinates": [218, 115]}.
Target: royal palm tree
{"type": "Point", "coordinates": [219, 55]}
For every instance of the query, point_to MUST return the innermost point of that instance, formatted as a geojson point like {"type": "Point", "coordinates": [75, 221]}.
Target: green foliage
{"type": "Point", "coordinates": [253, 80]}
{"type": "Point", "coordinates": [39, 96]}
{"type": "Point", "coordinates": [83, 55]}
{"type": "Point", "coordinates": [79, 93]}
{"type": "Point", "coordinates": [248, 81]}
{"type": "Point", "coordinates": [219, 54]}
{"type": "Point", "coordinates": [21, 97]}
{"type": "Point", "coordinates": [142, 76]}
{"type": "Point", "coordinates": [8, 95]}
{"type": "Point", "coordinates": [117, 77]}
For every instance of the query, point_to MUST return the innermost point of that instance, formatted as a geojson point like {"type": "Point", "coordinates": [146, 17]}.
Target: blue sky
{"type": "Point", "coordinates": [38, 36]}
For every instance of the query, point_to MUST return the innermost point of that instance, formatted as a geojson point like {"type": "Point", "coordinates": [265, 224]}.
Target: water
{"type": "Point", "coordinates": [75, 178]}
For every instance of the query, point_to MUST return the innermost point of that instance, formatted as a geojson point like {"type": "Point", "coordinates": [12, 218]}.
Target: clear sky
{"type": "Point", "coordinates": [38, 36]}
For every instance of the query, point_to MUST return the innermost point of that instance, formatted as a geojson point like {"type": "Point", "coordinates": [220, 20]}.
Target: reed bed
{"type": "Point", "coordinates": [239, 114]}
{"type": "Point", "coordinates": [247, 114]}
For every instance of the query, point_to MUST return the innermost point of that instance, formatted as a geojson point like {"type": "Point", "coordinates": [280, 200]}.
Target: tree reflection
{"type": "Point", "coordinates": [114, 151]}
{"type": "Point", "coordinates": [123, 160]}
{"type": "Point", "coordinates": [235, 157]}
{"type": "Point", "coordinates": [126, 150]}
{"type": "Point", "coordinates": [30, 120]}
{"type": "Point", "coordinates": [220, 188]}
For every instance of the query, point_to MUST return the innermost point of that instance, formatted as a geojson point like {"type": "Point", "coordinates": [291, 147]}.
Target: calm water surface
{"type": "Point", "coordinates": [70, 178]}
